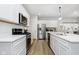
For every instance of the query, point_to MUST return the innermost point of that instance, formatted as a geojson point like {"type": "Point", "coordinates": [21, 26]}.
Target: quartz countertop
{"type": "Point", "coordinates": [11, 38]}
{"type": "Point", "coordinates": [74, 38]}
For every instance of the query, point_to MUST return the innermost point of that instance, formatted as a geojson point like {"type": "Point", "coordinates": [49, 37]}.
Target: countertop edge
{"type": "Point", "coordinates": [10, 41]}
{"type": "Point", "coordinates": [65, 39]}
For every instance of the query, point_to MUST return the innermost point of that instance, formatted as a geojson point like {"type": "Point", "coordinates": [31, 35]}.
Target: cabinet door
{"type": "Point", "coordinates": [25, 13]}
{"type": "Point", "coordinates": [6, 12]}
{"type": "Point", "coordinates": [19, 45]}
{"type": "Point", "coordinates": [54, 44]}
{"type": "Point", "coordinates": [56, 47]}
{"type": "Point", "coordinates": [51, 42]}
{"type": "Point", "coordinates": [63, 50]}
{"type": "Point", "coordinates": [23, 52]}
{"type": "Point", "coordinates": [5, 48]}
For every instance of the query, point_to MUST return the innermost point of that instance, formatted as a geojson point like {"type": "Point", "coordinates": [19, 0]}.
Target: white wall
{"type": "Point", "coordinates": [69, 20]}
{"type": "Point", "coordinates": [33, 27]}
{"type": "Point", "coordinates": [49, 23]}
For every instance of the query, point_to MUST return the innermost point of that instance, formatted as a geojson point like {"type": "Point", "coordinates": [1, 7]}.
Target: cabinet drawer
{"type": "Point", "coordinates": [63, 50]}
{"type": "Point", "coordinates": [18, 41]}
{"type": "Point", "coordinates": [23, 52]}
{"type": "Point", "coordinates": [63, 42]}
{"type": "Point", "coordinates": [19, 45]}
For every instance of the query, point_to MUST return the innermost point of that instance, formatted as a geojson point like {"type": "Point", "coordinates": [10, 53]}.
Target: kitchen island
{"type": "Point", "coordinates": [64, 44]}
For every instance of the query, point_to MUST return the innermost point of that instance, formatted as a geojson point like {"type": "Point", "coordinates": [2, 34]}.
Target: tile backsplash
{"type": "Point", "coordinates": [6, 29]}
{"type": "Point", "coordinates": [69, 27]}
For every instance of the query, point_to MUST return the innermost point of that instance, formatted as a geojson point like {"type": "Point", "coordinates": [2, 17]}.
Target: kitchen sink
{"type": "Point", "coordinates": [63, 34]}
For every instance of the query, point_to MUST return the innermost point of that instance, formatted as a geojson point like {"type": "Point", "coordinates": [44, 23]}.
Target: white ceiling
{"type": "Point", "coordinates": [52, 10]}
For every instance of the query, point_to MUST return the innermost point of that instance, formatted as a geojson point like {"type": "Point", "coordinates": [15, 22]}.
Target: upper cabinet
{"type": "Point", "coordinates": [10, 12]}
{"type": "Point", "coordinates": [23, 11]}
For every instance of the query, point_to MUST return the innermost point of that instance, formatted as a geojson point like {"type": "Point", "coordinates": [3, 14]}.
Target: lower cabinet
{"type": "Point", "coordinates": [63, 47]}
{"type": "Point", "coordinates": [54, 45]}
{"type": "Point", "coordinates": [58, 46]}
{"type": "Point", "coordinates": [63, 50]}
{"type": "Point", "coordinates": [23, 52]}
{"type": "Point", "coordinates": [17, 47]}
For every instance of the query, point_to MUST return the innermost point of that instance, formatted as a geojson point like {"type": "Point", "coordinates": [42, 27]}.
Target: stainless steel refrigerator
{"type": "Point", "coordinates": [41, 31]}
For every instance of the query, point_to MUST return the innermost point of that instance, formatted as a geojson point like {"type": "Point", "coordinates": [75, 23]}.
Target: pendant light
{"type": "Point", "coordinates": [60, 17]}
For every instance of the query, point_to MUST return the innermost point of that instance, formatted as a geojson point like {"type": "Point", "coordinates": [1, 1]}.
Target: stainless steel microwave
{"type": "Point", "coordinates": [22, 19]}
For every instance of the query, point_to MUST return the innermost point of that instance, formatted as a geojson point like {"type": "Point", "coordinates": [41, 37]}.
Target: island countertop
{"type": "Point", "coordinates": [11, 38]}
{"type": "Point", "coordinates": [68, 37]}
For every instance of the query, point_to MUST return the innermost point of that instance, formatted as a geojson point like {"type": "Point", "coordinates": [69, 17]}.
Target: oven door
{"type": "Point", "coordinates": [28, 42]}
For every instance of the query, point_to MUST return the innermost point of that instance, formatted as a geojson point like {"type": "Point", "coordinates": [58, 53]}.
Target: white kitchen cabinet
{"type": "Point", "coordinates": [54, 45]}
{"type": "Point", "coordinates": [63, 50]}
{"type": "Point", "coordinates": [51, 42]}
{"type": "Point", "coordinates": [18, 47]}
{"type": "Point", "coordinates": [63, 47]}
{"type": "Point", "coordinates": [60, 47]}
{"type": "Point", "coordinates": [22, 10]}
{"type": "Point", "coordinates": [56, 49]}
{"type": "Point", "coordinates": [10, 12]}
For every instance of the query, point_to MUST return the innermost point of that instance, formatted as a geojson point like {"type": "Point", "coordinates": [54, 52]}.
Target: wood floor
{"type": "Point", "coordinates": [40, 47]}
